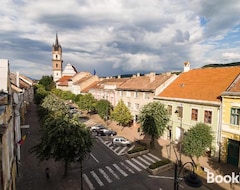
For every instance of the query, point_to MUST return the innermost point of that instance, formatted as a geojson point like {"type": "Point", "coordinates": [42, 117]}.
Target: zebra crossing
{"type": "Point", "coordinates": [119, 150]}
{"type": "Point", "coordinates": [105, 175]}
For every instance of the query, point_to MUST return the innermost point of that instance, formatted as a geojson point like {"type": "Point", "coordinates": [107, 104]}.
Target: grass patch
{"type": "Point", "coordinates": [159, 164]}
{"type": "Point", "coordinates": [137, 149]}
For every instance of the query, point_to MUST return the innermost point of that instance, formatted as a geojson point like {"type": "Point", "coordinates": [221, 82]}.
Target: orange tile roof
{"type": "Point", "coordinates": [143, 82]}
{"type": "Point", "coordinates": [110, 81]}
{"type": "Point", "coordinates": [63, 81]}
{"type": "Point", "coordinates": [235, 87]}
{"type": "Point", "coordinates": [202, 84]}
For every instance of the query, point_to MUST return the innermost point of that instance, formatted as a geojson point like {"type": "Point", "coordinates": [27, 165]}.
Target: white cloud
{"type": "Point", "coordinates": [119, 36]}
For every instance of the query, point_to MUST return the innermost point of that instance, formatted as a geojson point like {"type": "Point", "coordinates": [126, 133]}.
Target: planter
{"type": "Point", "coordinates": [137, 153]}
{"type": "Point", "coordinates": [160, 169]}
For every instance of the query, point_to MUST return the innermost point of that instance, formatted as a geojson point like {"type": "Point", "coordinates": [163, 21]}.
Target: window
{"type": "Point", "coordinates": [169, 109]}
{"type": "Point", "coordinates": [146, 95]}
{"type": "Point", "coordinates": [194, 116]}
{"type": "Point", "coordinates": [235, 113]}
{"type": "Point", "coordinates": [128, 94]}
{"type": "Point", "coordinates": [56, 65]}
{"type": "Point", "coordinates": [136, 94]}
{"type": "Point", "coordinates": [129, 104]}
{"type": "Point", "coordinates": [179, 111]}
{"type": "Point", "coordinates": [121, 93]}
{"type": "Point", "coordinates": [208, 117]}
{"type": "Point", "coordinates": [136, 106]}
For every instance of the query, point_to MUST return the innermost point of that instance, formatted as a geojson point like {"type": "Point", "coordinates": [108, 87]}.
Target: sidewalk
{"type": "Point", "coordinates": [163, 150]}
{"type": "Point", "coordinates": [31, 175]}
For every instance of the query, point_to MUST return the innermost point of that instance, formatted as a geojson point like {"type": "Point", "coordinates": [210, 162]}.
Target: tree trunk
{"type": "Point", "coordinates": [152, 142]}
{"type": "Point", "coordinates": [65, 168]}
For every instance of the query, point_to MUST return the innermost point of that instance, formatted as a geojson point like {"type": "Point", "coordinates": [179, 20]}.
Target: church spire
{"type": "Point", "coordinates": [56, 46]}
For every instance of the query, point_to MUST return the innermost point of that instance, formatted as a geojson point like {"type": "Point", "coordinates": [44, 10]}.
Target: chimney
{"type": "Point", "coordinates": [186, 66]}
{"type": "Point", "coordinates": [17, 79]}
{"type": "Point", "coordinates": [152, 76]}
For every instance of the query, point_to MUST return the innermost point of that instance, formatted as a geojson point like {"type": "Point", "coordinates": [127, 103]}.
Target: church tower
{"type": "Point", "coordinates": [57, 60]}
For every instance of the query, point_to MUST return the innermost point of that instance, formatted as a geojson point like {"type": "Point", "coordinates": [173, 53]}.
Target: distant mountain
{"type": "Point", "coordinates": [222, 65]}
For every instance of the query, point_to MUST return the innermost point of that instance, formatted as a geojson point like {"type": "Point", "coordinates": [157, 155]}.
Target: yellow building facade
{"type": "Point", "coordinates": [230, 134]}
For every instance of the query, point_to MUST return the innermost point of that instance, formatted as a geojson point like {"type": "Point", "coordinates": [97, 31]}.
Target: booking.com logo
{"type": "Point", "coordinates": [233, 178]}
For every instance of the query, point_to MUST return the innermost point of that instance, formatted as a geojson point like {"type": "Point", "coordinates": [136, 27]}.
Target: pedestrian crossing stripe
{"type": "Point", "coordinates": [105, 175]}
{"type": "Point", "coordinates": [86, 179]}
{"type": "Point", "coordinates": [112, 172]}
{"type": "Point", "coordinates": [120, 170]}
{"type": "Point", "coordinates": [146, 162]}
{"type": "Point", "coordinates": [97, 178]}
{"type": "Point", "coordinates": [133, 165]}
{"type": "Point", "coordinates": [118, 150]}
{"type": "Point", "coordinates": [123, 167]}
{"type": "Point", "coordinates": [139, 163]}
{"type": "Point", "coordinates": [127, 168]}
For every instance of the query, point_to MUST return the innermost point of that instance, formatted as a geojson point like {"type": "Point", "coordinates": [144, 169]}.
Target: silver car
{"type": "Point", "coordinates": [120, 141]}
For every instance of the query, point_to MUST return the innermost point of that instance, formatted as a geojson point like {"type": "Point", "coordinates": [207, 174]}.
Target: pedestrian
{"type": "Point", "coordinates": [47, 171]}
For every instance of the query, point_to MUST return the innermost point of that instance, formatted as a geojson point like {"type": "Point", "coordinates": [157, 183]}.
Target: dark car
{"type": "Point", "coordinates": [106, 132]}
{"type": "Point", "coordinates": [97, 128]}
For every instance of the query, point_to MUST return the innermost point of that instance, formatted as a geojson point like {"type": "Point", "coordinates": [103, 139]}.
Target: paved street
{"type": "Point", "coordinates": [107, 167]}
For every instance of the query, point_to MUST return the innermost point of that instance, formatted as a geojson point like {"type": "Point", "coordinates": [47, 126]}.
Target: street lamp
{"type": "Point", "coordinates": [191, 179]}
{"type": "Point", "coordinates": [179, 111]}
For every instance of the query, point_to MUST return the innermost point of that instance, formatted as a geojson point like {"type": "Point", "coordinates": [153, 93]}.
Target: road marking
{"type": "Point", "coordinates": [97, 178]}
{"type": "Point", "coordinates": [120, 170]}
{"type": "Point", "coordinates": [112, 172]}
{"type": "Point", "coordinates": [133, 165]}
{"type": "Point", "coordinates": [139, 163]}
{"type": "Point", "coordinates": [131, 147]}
{"type": "Point", "coordinates": [129, 169]}
{"type": "Point", "coordinates": [116, 149]}
{"type": "Point", "coordinates": [105, 175]}
{"type": "Point", "coordinates": [146, 162]}
{"type": "Point", "coordinates": [86, 179]}
{"type": "Point", "coordinates": [122, 150]}
{"type": "Point", "coordinates": [148, 158]}
{"type": "Point", "coordinates": [153, 156]}
{"type": "Point", "coordinates": [94, 157]}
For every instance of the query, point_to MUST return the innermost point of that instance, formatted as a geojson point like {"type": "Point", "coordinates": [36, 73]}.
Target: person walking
{"type": "Point", "coordinates": [47, 171]}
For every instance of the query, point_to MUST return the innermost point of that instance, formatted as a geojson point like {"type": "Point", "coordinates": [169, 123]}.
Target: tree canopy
{"type": "Point", "coordinates": [197, 139]}
{"type": "Point", "coordinates": [103, 108]}
{"type": "Point", "coordinates": [87, 102]}
{"type": "Point", "coordinates": [121, 113]}
{"type": "Point", "coordinates": [63, 137]}
{"type": "Point", "coordinates": [153, 119]}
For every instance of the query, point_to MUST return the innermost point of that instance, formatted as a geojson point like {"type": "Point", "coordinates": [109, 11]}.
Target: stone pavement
{"type": "Point", "coordinates": [164, 150]}
{"type": "Point", "coordinates": [31, 175]}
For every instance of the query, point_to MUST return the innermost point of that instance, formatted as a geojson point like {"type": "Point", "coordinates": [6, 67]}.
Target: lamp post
{"type": "Point", "coordinates": [191, 180]}
{"type": "Point", "coordinates": [180, 113]}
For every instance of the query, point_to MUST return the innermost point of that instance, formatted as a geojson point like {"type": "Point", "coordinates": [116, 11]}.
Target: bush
{"type": "Point", "coordinates": [159, 163]}
{"type": "Point", "coordinates": [137, 149]}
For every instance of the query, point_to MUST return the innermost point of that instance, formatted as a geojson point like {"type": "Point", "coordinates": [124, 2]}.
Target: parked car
{"type": "Point", "coordinates": [106, 132]}
{"type": "Point", "coordinates": [120, 141]}
{"type": "Point", "coordinates": [96, 128]}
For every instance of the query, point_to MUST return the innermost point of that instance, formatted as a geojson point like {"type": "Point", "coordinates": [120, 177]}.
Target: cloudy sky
{"type": "Point", "coordinates": [119, 36]}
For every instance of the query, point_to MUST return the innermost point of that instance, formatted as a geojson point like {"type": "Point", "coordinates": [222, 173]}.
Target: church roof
{"type": "Point", "coordinates": [69, 70]}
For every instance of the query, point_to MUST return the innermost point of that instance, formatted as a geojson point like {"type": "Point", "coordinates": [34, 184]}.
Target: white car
{"type": "Point", "coordinates": [120, 141]}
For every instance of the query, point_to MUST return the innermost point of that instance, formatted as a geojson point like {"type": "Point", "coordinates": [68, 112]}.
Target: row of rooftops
{"type": "Point", "coordinates": [206, 83]}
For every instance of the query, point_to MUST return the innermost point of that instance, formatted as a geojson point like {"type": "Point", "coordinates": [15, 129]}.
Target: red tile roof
{"type": "Point", "coordinates": [235, 87]}
{"type": "Point", "coordinates": [144, 83]}
{"type": "Point", "coordinates": [63, 81]}
{"type": "Point", "coordinates": [201, 84]}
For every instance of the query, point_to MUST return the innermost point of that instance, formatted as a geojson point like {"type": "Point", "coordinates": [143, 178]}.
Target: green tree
{"type": "Point", "coordinates": [64, 138]}
{"type": "Point", "coordinates": [153, 119]}
{"type": "Point", "coordinates": [47, 82]}
{"type": "Point", "coordinates": [121, 114]}
{"type": "Point", "coordinates": [40, 94]}
{"type": "Point", "coordinates": [103, 108]}
{"type": "Point", "coordinates": [197, 139]}
{"type": "Point", "coordinates": [87, 102]}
